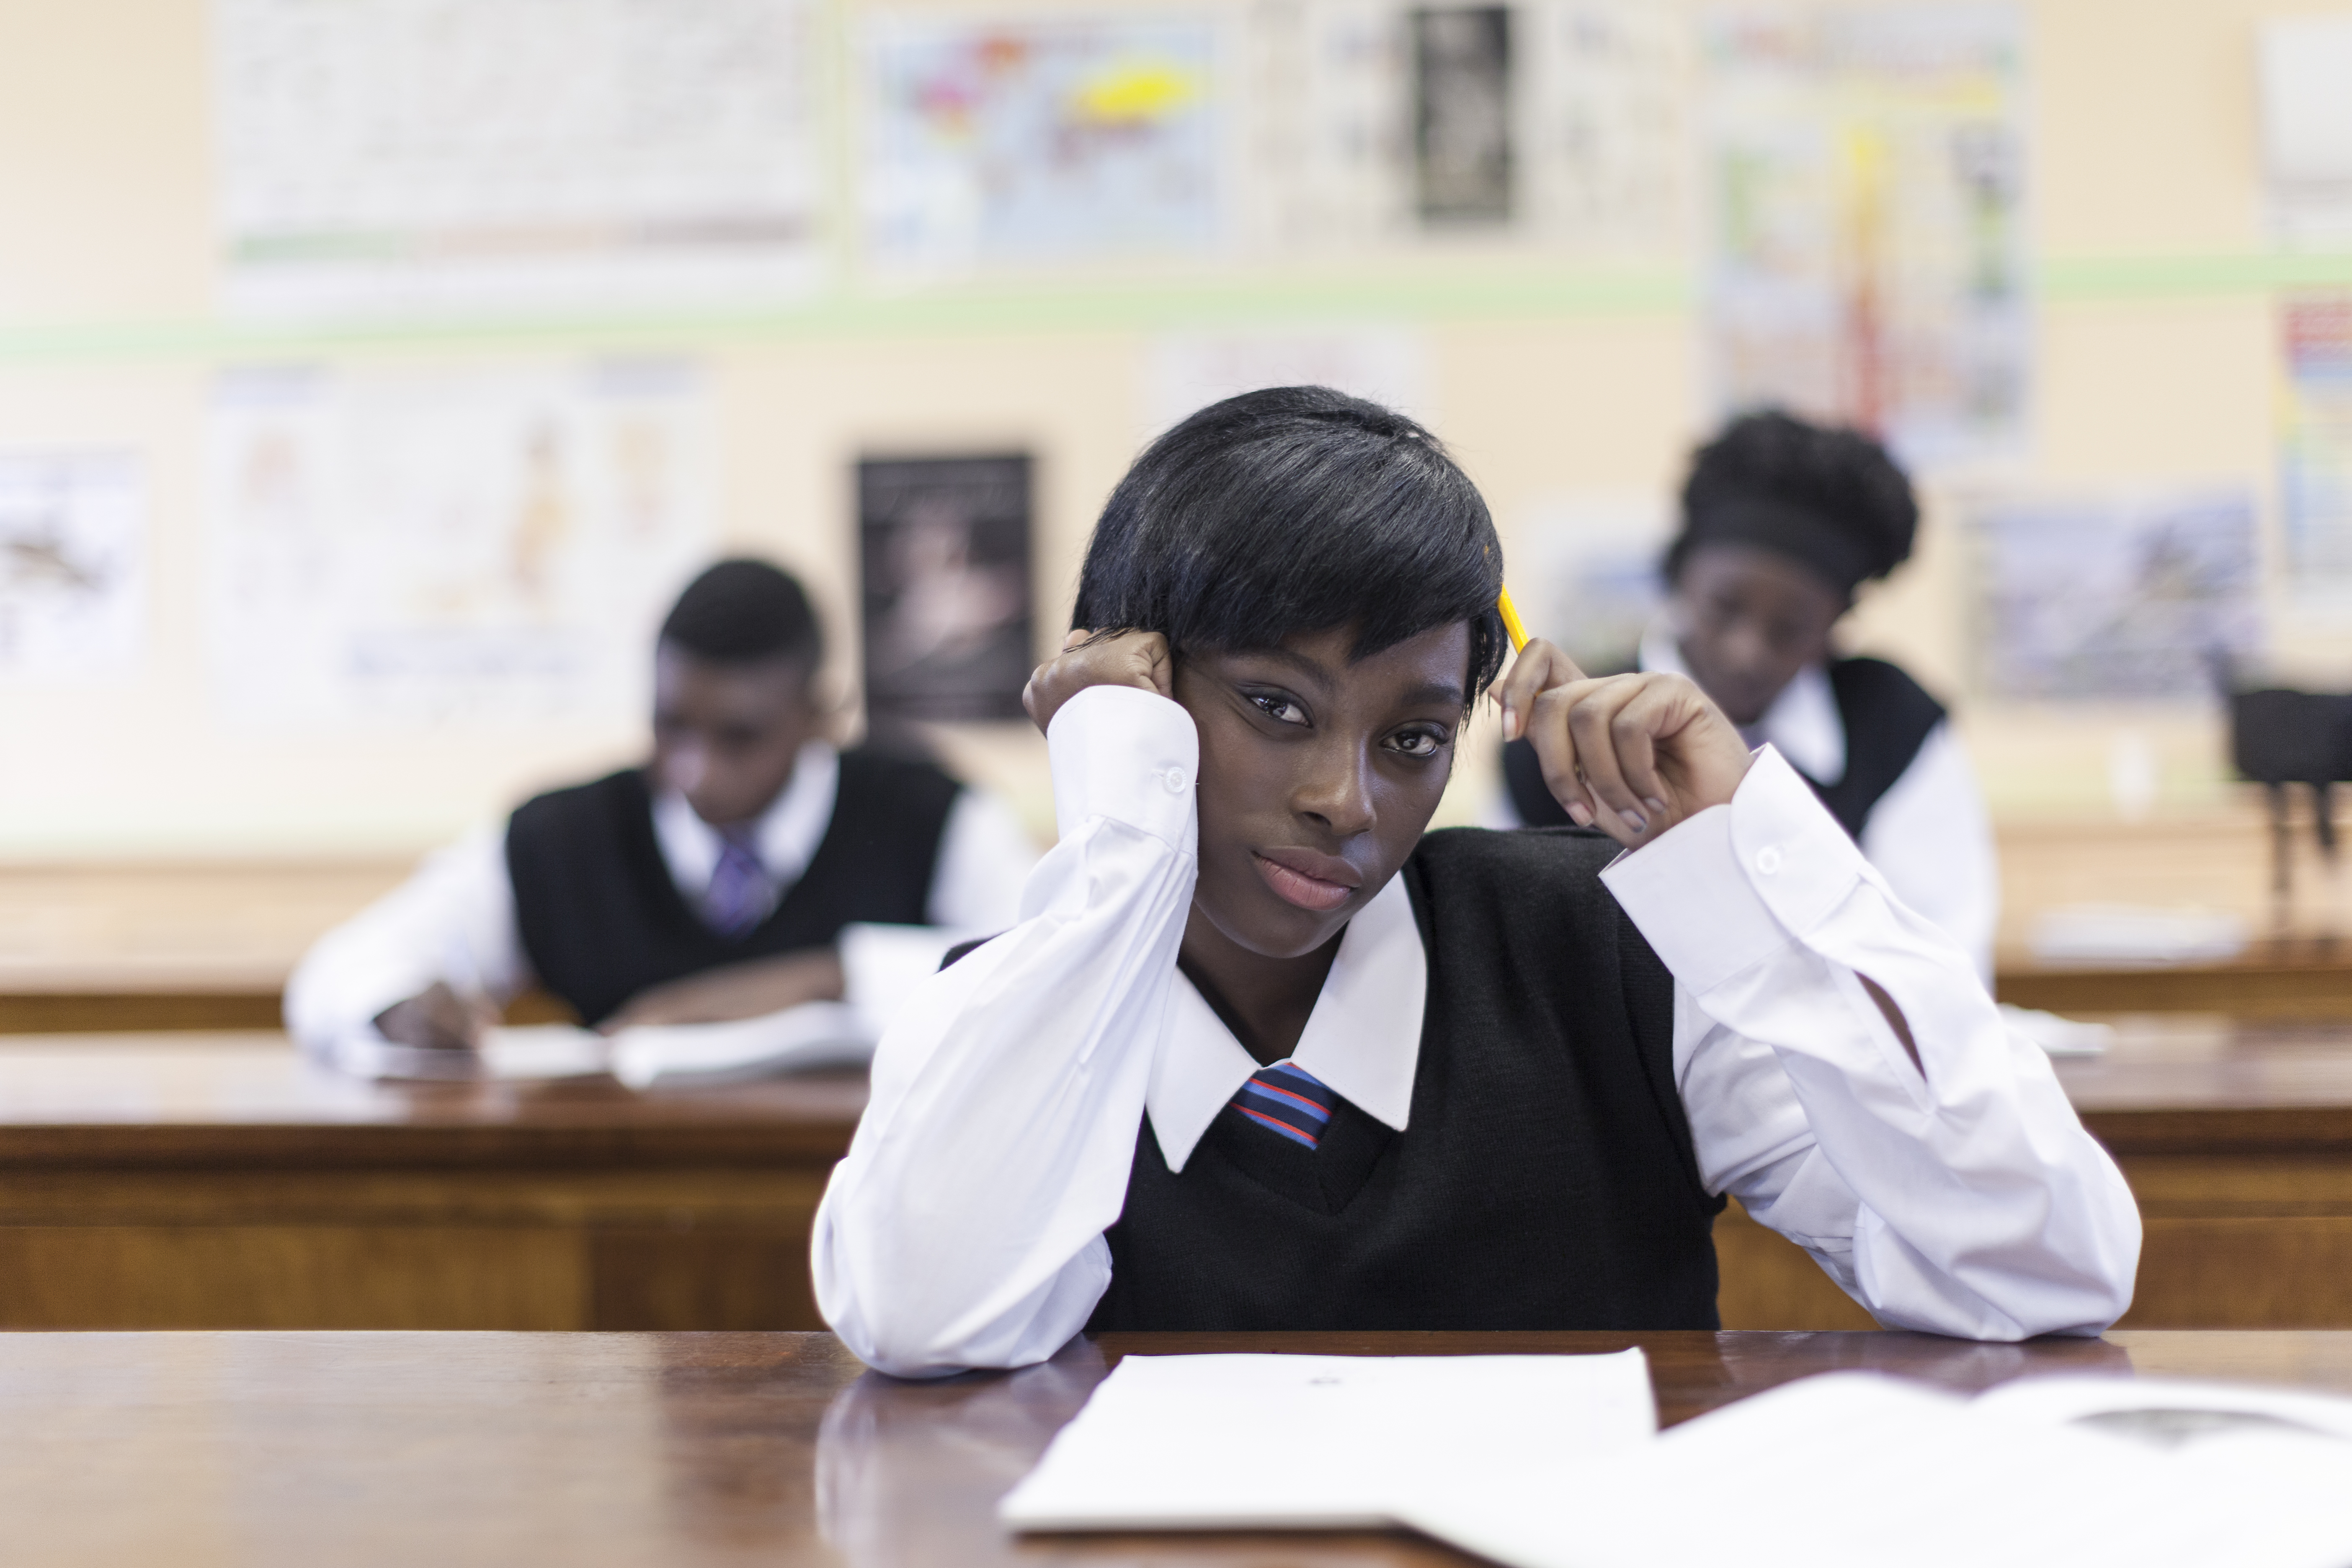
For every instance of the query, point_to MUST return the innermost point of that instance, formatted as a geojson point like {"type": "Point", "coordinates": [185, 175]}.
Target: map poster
{"type": "Point", "coordinates": [402, 158]}
{"type": "Point", "coordinates": [73, 566]}
{"type": "Point", "coordinates": [2133, 598]}
{"type": "Point", "coordinates": [1059, 139]}
{"type": "Point", "coordinates": [483, 547]}
{"type": "Point", "coordinates": [2316, 448]}
{"type": "Point", "coordinates": [1863, 179]}
{"type": "Point", "coordinates": [944, 550]}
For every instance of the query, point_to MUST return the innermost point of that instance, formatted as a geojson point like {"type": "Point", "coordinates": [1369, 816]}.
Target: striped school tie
{"type": "Point", "coordinates": [1287, 1099]}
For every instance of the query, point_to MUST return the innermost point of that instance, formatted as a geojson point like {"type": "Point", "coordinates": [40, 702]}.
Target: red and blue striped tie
{"type": "Point", "coordinates": [1289, 1100]}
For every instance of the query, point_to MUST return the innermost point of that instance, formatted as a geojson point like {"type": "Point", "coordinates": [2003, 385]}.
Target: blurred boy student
{"type": "Point", "coordinates": [1782, 521]}
{"type": "Point", "coordinates": [1263, 1055]}
{"type": "Point", "coordinates": [748, 869]}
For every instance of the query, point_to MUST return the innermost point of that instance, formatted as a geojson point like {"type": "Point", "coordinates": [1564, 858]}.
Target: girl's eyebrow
{"type": "Point", "coordinates": [1434, 694]}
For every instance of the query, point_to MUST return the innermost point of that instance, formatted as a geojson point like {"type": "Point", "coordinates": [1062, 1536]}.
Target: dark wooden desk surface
{"type": "Point", "coordinates": [686, 1450]}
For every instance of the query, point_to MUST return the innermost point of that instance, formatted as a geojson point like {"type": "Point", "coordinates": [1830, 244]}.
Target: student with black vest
{"type": "Point", "coordinates": [1261, 1056]}
{"type": "Point", "coordinates": [1782, 521]}
{"type": "Point", "coordinates": [750, 868]}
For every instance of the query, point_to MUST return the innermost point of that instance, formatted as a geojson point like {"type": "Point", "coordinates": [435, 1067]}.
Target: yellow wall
{"type": "Point", "coordinates": [2157, 362]}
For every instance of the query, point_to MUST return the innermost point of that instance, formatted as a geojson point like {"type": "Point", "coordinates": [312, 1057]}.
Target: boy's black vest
{"type": "Point", "coordinates": [1544, 1179]}
{"type": "Point", "coordinates": [602, 920]}
{"type": "Point", "coordinates": [1886, 715]}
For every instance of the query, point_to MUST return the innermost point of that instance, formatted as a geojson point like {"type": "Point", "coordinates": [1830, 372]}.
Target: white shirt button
{"type": "Point", "coordinates": [1177, 781]}
{"type": "Point", "coordinates": [1768, 859]}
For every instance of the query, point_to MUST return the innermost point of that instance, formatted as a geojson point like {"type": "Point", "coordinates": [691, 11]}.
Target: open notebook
{"type": "Point", "coordinates": [1550, 1462]}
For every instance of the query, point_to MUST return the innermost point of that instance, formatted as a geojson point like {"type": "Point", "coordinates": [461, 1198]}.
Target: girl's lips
{"type": "Point", "coordinates": [1294, 886]}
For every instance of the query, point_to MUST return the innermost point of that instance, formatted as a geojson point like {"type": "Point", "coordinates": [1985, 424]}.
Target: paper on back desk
{"type": "Point", "coordinates": [1212, 1442]}
{"type": "Point", "coordinates": [816, 1034]}
{"type": "Point", "coordinates": [1854, 1468]}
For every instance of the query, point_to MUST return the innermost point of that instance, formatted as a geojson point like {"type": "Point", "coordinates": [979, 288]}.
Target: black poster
{"type": "Point", "coordinates": [1461, 114]}
{"type": "Point", "coordinates": [944, 556]}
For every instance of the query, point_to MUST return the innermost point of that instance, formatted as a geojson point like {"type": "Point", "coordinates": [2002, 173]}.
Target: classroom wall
{"type": "Point", "coordinates": [2158, 361]}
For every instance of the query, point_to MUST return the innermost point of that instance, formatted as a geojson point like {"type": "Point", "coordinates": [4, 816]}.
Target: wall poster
{"type": "Point", "coordinates": [944, 551]}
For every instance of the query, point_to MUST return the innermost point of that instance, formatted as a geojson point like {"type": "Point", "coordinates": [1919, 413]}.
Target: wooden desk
{"type": "Point", "coordinates": [458, 1449]}
{"type": "Point", "coordinates": [200, 1181]}
{"type": "Point", "coordinates": [190, 1181]}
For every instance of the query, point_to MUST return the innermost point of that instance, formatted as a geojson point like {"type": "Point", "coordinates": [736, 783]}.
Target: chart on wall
{"type": "Point", "coordinates": [944, 558]}
{"type": "Point", "coordinates": [1563, 122]}
{"type": "Point", "coordinates": [424, 157]}
{"type": "Point", "coordinates": [1863, 180]}
{"type": "Point", "coordinates": [2316, 456]}
{"type": "Point", "coordinates": [73, 566]}
{"type": "Point", "coordinates": [1062, 138]}
{"type": "Point", "coordinates": [2131, 598]}
{"type": "Point", "coordinates": [465, 547]}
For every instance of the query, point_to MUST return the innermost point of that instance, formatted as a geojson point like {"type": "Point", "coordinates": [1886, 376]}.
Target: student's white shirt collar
{"type": "Point", "coordinates": [784, 837]}
{"type": "Point", "coordinates": [1363, 1039]}
{"type": "Point", "coordinates": [1803, 722]}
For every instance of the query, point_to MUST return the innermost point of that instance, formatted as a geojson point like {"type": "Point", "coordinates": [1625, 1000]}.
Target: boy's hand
{"type": "Point", "coordinates": [1633, 754]}
{"type": "Point", "coordinates": [437, 1019]}
{"type": "Point", "coordinates": [1129, 659]}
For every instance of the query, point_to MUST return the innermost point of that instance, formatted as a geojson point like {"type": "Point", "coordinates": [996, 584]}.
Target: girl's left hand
{"type": "Point", "coordinates": [1633, 754]}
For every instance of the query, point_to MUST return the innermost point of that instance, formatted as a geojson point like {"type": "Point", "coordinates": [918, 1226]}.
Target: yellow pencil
{"type": "Point", "coordinates": [1511, 622]}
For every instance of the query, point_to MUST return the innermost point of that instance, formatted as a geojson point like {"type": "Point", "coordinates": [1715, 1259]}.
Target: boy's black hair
{"type": "Point", "coordinates": [745, 612]}
{"type": "Point", "coordinates": [1297, 508]}
{"type": "Point", "coordinates": [1830, 498]}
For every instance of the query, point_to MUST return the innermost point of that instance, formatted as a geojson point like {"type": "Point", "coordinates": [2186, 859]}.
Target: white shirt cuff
{"type": "Point", "coordinates": [1735, 884]}
{"type": "Point", "coordinates": [1125, 754]}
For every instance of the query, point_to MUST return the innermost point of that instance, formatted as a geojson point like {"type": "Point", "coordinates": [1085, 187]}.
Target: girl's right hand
{"type": "Point", "coordinates": [1089, 658]}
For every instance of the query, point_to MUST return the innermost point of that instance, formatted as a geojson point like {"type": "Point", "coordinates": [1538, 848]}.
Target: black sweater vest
{"type": "Point", "coordinates": [600, 920]}
{"type": "Point", "coordinates": [1887, 716]}
{"type": "Point", "coordinates": [1544, 1180]}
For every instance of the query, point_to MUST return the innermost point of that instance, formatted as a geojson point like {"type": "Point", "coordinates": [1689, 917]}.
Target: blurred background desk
{"type": "Point", "coordinates": [209, 946]}
{"type": "Point", "coordinates": [776, 1448]}
{"type": "Point", "coordinates": [213, 1181]}
{"type": "Point", "coordinates": [201, 1181]}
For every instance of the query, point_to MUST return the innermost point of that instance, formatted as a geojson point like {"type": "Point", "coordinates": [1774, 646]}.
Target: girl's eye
{"type": "Point", "coordinates": [1418, 742]}
{"type": "Point", "coordinates": [1281, 709]}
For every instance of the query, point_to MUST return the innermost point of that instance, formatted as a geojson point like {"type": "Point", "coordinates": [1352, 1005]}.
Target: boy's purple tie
{"type": "Point", "coordinates": [1289, 1100]}
{"type": "Point", "coordinates": [738, 886]}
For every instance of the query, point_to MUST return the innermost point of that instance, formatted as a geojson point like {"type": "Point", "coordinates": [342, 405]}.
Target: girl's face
{"type": "Point", "coordinates": [1749, 620]}
{"type": "Point", "coordinates": [1317, 776]}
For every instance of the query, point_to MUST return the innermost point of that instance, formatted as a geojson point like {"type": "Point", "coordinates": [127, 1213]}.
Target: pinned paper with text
{"type": "Point", "coordinates": [1864, 205]}
{"type": "Point", "coordinates": [73, 566]}
{"type": "Point", "coordinates": [412, 157]}
{"type": "Point", "coordinates": [461, 546]}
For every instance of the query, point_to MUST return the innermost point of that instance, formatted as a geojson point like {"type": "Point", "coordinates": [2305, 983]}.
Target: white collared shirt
{"type": "Point", "coordinates": [965, 1227]}
{"type": "Point", "coordinates": [1929, 835]}
{"type": "Point", "coordinates": [454, 920]}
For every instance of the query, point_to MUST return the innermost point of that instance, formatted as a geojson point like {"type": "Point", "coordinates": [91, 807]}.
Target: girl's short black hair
{"type": "Point", "coordinates": [1832, 498]}
{"type": "Point", "coordinates": [1297, 508]}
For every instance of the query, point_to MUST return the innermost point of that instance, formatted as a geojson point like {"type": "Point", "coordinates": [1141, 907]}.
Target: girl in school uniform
{"type": "Point", "coordinates": [1259, 1055]}
{"type": "Point", "coordinates": [1782, 521]}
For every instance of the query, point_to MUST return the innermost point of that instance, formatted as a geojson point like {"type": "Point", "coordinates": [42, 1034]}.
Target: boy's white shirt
{"type": "Point", "coordinates": [965, 1227]}
{"type": "Point", "coordinates": [454, 920]}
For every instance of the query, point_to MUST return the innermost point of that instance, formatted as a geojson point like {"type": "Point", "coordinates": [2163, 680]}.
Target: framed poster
{"type": "Point", "coordinates": [944, 563]}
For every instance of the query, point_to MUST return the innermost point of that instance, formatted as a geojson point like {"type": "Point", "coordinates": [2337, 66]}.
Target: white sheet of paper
{"type": "Point", "coordinates": [544, 1051]}
{"type": "Point", "coordinates": [815, 1034]}
{"type": "Point", "coordinates": [1219, 1442]}
{"type": "Point", "coordinates": [1854, 1468]}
